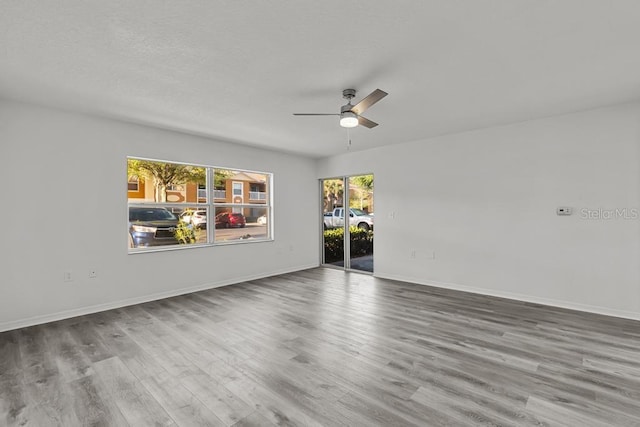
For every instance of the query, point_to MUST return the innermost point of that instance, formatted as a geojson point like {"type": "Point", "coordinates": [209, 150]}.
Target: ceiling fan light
{"type": "Point", "coordinates": [348, 119]}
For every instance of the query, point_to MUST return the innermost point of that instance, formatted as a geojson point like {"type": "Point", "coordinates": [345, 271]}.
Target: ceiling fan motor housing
{"type": "Point", "coordinates": [348, 94]}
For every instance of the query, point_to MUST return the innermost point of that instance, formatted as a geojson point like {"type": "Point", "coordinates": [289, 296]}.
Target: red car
{"type": "Point", "coordinates": [229, 220]}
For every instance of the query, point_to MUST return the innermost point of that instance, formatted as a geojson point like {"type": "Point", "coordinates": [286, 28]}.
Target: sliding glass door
{"type": "Point", "coordinates": [347, 229]}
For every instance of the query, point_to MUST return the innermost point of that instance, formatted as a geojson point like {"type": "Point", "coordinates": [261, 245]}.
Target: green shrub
{"type": "Point", "coordinates": [361, 243]}
{"type": "Point", "coordinates": [184, 233]}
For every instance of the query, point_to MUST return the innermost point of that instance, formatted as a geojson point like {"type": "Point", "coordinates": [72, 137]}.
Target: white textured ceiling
{"type": "Point", "coordinates": [237, 70]}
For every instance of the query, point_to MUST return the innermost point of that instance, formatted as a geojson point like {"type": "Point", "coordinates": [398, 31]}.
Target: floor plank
{"type": "Point", "coordinates": [183, 406]}
{"type": "Point", "coordinates": [136, 404]}
{"type": "Point", "coordinates": [322, 347]}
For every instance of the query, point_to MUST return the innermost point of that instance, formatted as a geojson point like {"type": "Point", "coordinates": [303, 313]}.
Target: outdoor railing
{"type": "Point", "coordinates": [257, 195]}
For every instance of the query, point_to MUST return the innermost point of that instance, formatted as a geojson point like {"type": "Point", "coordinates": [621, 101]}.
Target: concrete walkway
{"type": "Point", "coordinates": [363, 263]}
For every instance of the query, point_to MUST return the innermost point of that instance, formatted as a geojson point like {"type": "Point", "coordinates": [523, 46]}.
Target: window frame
{"type": "Point", "coordinates": [237, 185]}
{"type": "Point", "coordinates": [210, 206]}
{"type": "Point", "coordinates": [134, 179]}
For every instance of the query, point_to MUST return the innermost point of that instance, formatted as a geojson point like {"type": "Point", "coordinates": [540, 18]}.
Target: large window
{"type": "Point", "coordinates": [177, 205]}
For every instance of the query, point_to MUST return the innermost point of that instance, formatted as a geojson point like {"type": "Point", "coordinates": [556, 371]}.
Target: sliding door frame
{"type": "Point", "coordinates": [346, 223]}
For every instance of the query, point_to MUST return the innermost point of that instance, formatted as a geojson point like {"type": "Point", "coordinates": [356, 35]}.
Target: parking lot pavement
{"type": "Point", "coordinates": [251, 231]}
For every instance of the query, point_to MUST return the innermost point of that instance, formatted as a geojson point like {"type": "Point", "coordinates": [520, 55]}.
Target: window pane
{"type": "Point", "coordinates": [164, 182]}
{"type": "Point", "coordinates": [361, 232]}
{"type": "Point", "coordinates": [151, 226]}
{"type": "Point", "coordinates": [240, 187]}
{"type": "Point", "coordinates": [333, 218]}
{"type": "Point", "coordinates": [241, 223]}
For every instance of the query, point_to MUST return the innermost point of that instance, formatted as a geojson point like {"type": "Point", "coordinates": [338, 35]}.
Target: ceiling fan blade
{"type": "Point", "coordinates": [316, 114]}
{"type": "Point", "coordinates": [363, 121]}
{"type": "Point", "coordinates": [368, 101]}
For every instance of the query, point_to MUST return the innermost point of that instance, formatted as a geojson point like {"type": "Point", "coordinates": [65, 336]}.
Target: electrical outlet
{"type": "Point", "coordinates": [67, 276]}
{"type": "Point", "coordinates": [93, 274]}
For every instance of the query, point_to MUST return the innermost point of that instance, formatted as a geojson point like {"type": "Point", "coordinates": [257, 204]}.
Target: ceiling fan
{"type": "Point", "coordinates": [350, 114]}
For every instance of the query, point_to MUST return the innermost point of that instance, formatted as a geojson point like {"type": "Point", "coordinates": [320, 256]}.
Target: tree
{"type": "Point", "coordinates": [164, 174]}
{"type": "Point", "coordinates": [333, 192]}
{"type": "Point", "coordinates": [363, 185]}
{"type": "Point", "coordinates": [363, 181]}
{"type": "Point", "coordinates": [220, 177]}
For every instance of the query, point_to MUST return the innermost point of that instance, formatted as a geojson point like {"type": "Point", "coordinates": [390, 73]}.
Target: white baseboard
{"type": "Point", "coordinates": [518, 297]}
{"type": "Point", "coordinates": [66, 314]}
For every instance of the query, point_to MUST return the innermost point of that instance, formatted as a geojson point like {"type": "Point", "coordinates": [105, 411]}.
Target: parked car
{"type": "Point", "coordinates": [151, 226]}
{"type": "Point", "coordinates": [357, 217]}
{"type": "Point", "coordinates": [198, 217]}
{"type": "Point", "coordinates": [230, 219]}
{"type": "Point", "coordinates": [262, 220]}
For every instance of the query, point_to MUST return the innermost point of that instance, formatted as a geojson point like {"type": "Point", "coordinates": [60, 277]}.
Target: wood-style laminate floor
{"type": "Point", "coordinates": [324, 347]}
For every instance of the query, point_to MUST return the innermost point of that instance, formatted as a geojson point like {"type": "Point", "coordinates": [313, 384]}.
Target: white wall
{"type": "Point", "coordinates": [64, 208]}
{"type": "Point", "coordinates": [484, 202]}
